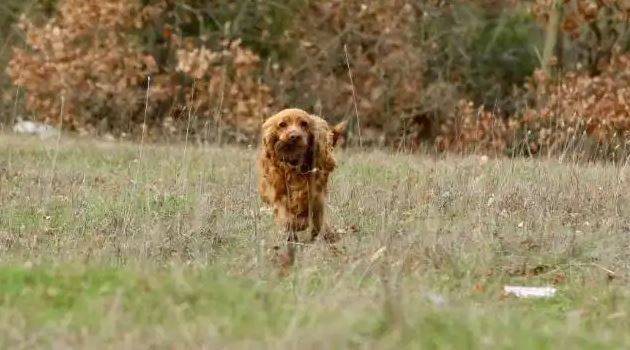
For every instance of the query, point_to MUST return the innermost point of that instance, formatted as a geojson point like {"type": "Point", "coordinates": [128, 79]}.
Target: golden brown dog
{"type": "Point", "coordinates": [295, 162]}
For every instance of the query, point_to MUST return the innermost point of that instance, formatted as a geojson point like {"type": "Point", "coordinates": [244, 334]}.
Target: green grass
{"type": "Point", "coordinates": [103, 248]}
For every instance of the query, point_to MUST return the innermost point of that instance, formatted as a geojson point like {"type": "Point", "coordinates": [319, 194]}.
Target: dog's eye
{"type": "Point", "coordinates": [283, 124]}
{"type": "Point", "coordinates": [304, 124]}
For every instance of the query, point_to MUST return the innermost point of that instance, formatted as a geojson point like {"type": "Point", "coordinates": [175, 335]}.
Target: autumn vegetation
{"type": "Point", "coordinates": [488, 147]}
{"type": "Point", "coordinates": [501, 77]}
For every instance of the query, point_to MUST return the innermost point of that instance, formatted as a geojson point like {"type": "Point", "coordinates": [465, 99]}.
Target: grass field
{"type": "Point", "coordinates": [106, 245]}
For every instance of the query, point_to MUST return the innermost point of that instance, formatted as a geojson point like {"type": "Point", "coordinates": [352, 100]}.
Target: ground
{"type": "Point", "coordinates": [107, 245]}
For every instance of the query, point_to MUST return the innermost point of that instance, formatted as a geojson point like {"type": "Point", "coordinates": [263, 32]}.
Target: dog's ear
{"type": "Point", "coordinates": [268, 140]}
{"type": "Point", "coordinates": [321, 146]}
{"type": "Point", "coordinates": [339, 132]}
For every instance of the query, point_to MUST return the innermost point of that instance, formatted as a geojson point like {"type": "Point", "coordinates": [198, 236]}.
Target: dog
{"type": "Point", "coordinates": [295, 162]}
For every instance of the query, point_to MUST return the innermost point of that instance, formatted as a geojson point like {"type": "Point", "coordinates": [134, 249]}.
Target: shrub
{"type": "Point", "coordinates": [384, 54]}
{"type": "Point", "coordinates": [589, 31]}
{"type": "Point", "coordinates": [502, 56]}
{"type": "Point", "coordinates": [224, 92]}
{"type": "Point", "coordinates": [88, 56]}
{"type": "Point", "coordinates": [10, 12]}
{"type": "Point", "coordinates": [419, 69]}
{"type": "Point", "coordinates": [98, 55]}
{"type": "Point", "coordinates": [473, 129]}
{"type": "Point", "coordinates": [580, 105]}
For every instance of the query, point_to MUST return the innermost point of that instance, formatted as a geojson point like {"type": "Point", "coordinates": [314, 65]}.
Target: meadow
{"type": "Point", "coordinates": [137, 246]}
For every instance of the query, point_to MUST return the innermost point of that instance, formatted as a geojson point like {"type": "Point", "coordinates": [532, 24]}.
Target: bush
{"type": "Point", "coordinates": [378, 40]}
{"type": "Point", "coordinates": [502, 57]}
{"type": "Point", "coordinates": [473, 129]}
{"type": "Point", "coordinates": [10, 12]}
{"type": "Point", "coordinates": [589, 31]}
{"type": "Point", "coordinates": [580, 107]}
{"type": "Point", "coordinates": [225, 95]}
{"type": "Point", "coordinates": [88, 57]}
{"type": "Point", "coordinates": [95, 58]}
{"type": "Point", "coordinates": [419, 70]}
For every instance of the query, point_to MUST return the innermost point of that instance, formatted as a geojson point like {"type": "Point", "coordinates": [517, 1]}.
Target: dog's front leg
{"type": "Point", "coordinates": [292, 242]}
{"type": "Point", "coordinates": [317, 216]}
{"type": "Point", "coordinates": [293, 226]}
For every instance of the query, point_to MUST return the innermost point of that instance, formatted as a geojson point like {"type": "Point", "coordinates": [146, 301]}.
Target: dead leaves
{"type": "Point", "coordinates": [90, 54]}
{"type": "Point", "coordinates": [581, 104]}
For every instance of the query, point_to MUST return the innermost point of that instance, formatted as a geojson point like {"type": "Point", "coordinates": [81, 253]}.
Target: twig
{"type": "Point", "coordinates": [54, 160]}
{"type": "Point", "coordinates": [139, 160]}
{"type": "Point", "coordinates": [143, 126]}
{"type": "Point", "coordinates": [15, 105]}
{"type": "Point", "coordinates": [183, 171]}
{"type": "Point", "coordinates": [219, 110]}
{"type": "Point", "coordinates": [254, 208]}
{"type": "Point", "coordinates": [608, 271]}
{"type": "Point", "coordinates": [354, 95]}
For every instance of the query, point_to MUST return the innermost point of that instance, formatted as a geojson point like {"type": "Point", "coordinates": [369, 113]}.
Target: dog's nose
{"type": "Point", "coordinates": [293, 137]}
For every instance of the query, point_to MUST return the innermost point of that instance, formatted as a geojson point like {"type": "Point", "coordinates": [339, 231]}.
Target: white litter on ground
{"type": "Point", "coordinates": [436, 299]}
{"type": "Point", "coordinates": [27, 127]}
{"type": "Point", "coordinates": [530, 292]}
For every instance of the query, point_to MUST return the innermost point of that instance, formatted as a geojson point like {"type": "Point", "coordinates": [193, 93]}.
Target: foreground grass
{"type": "Point", "coordinates": [107, 245]}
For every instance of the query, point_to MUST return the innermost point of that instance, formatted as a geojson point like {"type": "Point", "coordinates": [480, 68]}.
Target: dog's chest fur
{"type": "Point", "coordinates": [294, 188]}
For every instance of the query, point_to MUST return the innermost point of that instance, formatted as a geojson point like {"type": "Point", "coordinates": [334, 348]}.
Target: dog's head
{"type": "Point", "coordinates": [300, 140]}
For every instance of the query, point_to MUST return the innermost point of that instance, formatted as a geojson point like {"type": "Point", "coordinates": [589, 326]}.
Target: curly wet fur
{"type": "Point", "coordinates": [297, 191]}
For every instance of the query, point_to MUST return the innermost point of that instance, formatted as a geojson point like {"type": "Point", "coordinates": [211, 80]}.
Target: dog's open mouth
{"type": "Point", "coordinates": [292, 158]}
{"type": "Point", "coordinates": [292, 162]}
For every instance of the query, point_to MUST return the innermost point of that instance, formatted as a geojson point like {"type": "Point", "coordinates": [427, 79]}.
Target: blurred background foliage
{"type": "Point", "coordinates": [484, 75]}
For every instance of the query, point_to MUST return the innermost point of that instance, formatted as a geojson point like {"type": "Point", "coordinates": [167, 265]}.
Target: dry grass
{"type": "Point", "coordinates": [102, 249]}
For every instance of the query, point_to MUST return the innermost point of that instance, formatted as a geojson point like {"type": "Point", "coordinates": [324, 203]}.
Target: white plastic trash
{"type": "Point", "coordinates": [530, 292]}
{"type": "Point", "coordinates": [27, 127]}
